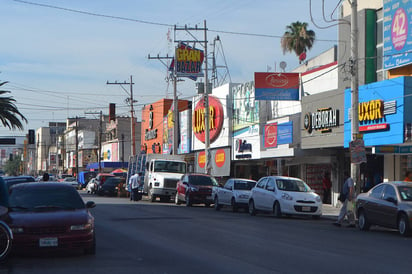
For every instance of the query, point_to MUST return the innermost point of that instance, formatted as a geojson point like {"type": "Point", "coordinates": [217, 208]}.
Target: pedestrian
{"type": "Point", "coordinates": [408, 176]}
{"type": "Point", "coordinates": [348, 190]}
{"type": "Point", "coordinates": [327, 185]}
{"type": "Point", "coordinates": [134, 184]}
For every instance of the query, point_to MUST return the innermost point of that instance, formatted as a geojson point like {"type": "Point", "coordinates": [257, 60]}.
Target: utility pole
{"type": "Point", "coordinates": [175, 141]}
{"type": "Point", "coordinates": [122, 149]}
{"type": "Point", "coordinates": [355, 172]}
{"type": "Point", "coordinates": [207, 111]}
{"type": "Point", "coordinates": [76, 129]}
{"type": "Point", "coordinates": [131, 101]}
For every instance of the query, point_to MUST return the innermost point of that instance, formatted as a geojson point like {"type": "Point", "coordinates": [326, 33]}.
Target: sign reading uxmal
{"type": "Point", "coordinates": [189, 62]}
{"type": "Point", "coordinates": [276, 86]}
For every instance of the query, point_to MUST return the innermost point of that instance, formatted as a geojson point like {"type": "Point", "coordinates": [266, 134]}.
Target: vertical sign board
{"type": "Point", "coordinates": [397, 33]}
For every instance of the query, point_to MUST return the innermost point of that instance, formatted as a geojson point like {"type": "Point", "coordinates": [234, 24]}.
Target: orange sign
{"type": "Point", "coordinates": [201, 160]}
{"type": "Point", "coordinates": [220, 157]}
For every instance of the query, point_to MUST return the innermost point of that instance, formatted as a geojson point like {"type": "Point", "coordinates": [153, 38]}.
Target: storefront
{"type": "Point", "coordinates": [385, 122]}
{"type": "Point", "coordinates": [322, 138]}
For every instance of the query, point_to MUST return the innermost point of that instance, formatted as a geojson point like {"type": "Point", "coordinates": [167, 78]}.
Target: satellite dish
{"type": "Point", "coordinates": [283, 65]}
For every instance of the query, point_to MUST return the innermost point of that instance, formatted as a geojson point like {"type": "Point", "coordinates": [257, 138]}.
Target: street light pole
{"type": "Point", "coordinates": [207, 111]}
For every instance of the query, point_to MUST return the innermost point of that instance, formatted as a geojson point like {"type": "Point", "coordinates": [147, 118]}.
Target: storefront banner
{"type": "Point", "coordinates": [219, 162]}
{"type": "Point", "coordinates": [246, 143]}
{"type": "Point", "coordinates": [276, 86]}
{"type": "Point", "coordinates": [285, 133]}
{"type": "Point", "coordinates": [397, 33]}
{"type": "Point", "coordinates": [110, 152]}
{"type": "Point", "coordinates": [184, 144]}
{"type": "Point", "coordinates": [271, 135]}
{"type": "Point", "coordinates": [382, 112]}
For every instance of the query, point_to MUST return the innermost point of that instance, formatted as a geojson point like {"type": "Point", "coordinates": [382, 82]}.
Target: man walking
{"type": "Point", "coordinates": [348, 191]}
{"type": "Point", "coordinates": [134, 185]}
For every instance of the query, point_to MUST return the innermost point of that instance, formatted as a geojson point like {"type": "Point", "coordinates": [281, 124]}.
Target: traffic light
{"type": "Point", "coordinates": [31, 136]}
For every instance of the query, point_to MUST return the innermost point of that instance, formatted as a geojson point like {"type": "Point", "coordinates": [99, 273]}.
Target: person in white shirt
{"type": "Point", "coordinates": [134, 184]}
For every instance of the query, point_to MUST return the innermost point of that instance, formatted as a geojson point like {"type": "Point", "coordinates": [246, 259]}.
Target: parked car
{"type": "Point", "coordinates": [13, 180]}
{"type": "Point", "coordinates": [50, 216]}
{"type": "Point", "coordinates": [195, 189]}
{"type": "Point", "coordinates": [92, 186]}
{"type": "Point", "coordinates": [234, 193]}
{"type": "Point", "coordinates": [281, 195]}
{"type": "Point", "coordinates": [112, 186]}
{"type": "Point", "coordinates": [72, 181]}
{"type": "Point", "coordinates": [388, 204]}
{"type": "Point", "coordinates": [101, 178]}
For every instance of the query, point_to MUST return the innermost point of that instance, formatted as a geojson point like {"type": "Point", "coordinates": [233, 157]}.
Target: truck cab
{"type": "Point", "coordinates": [161, 178]}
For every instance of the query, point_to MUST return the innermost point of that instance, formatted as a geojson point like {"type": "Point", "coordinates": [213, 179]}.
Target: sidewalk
{"type": "Point", "coordinates": [330, 212]}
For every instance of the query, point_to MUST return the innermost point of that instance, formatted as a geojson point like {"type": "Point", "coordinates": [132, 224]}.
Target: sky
{"type": "Point", "coordinates": [58, 55]}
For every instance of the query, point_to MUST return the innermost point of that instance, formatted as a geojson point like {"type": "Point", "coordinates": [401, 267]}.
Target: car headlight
{"type": "Point", "coordinates": [17, 230]}
{"type": "Point", "coordinates": [287, 197]}
{"type": "Point", "coordinates": [192, 188]}
{"type": "Point", "coordinates": [81, 227]}
{"type": "Point", "coordinates": [318, 199]}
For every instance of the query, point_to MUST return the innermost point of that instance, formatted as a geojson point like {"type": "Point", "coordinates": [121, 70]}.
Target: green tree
{"type": "Point", "coordinates": [12, 167]}
{"type": "Point", "coordinates": [10, 116]}
{"type": "Point", "coordinates": [297, 38]}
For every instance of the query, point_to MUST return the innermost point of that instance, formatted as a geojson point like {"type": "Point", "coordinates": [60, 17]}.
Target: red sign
{"type": "Point", "coordinates": [220, 157]}
{"type": "Point", "coordinates": [271, 135]}
{"type": "Point", "coordinates": [373, 127]}
{"type": "Point", "coordinates": [216, 117]}
{"type": "Point", "coordinates": [201, 159]}
{"type": "Point", "coordinates": [276, 86]}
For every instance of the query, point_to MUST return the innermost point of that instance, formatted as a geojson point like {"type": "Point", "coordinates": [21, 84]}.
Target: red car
{"type": "Point", "coordinates": [195, 189]}
{"type": "Point", "coordinates": [50, 216]}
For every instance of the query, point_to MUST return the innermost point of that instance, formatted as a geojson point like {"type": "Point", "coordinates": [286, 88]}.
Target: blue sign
{"type": "Point", "coordinates": [397, 33]}
{"type": "Point", "coordinates": [285, 133]}
{"type": "Point", "coordinates": [382, 112]}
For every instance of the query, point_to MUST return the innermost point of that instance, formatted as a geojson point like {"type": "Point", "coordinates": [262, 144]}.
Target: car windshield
{"type": "Point", "coordinates": [171, 167]}
{"type": "Point", "coordinates": [44, 198]}
{"type": "Point", "coordinates": [405, 192]}
{"type": "Point", "coordinates": [244, 185]}
{"type": "Point", "coordinates": [203, 181]}
{"type": "Point", "coordinates": [292, 185]}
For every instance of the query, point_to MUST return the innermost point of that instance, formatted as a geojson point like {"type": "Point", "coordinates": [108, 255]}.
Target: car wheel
{"type": "Point", "coordinates": [188, 201]}
{"type": "Point", "coordinates": [177, 201]}
{"type": "Point", "coordinates": [234, 206]}
{"type": "Point", "coordinates": [91, 250]}
{"type": "Point", "coordinates": [403, 225]}
{"type": "Point", "coordinates": [217, 206]}
{"type": "Point", "coordinates": [252, 209]}
{"type": "Point", "coordinates": [277, 211]}
{"type": "Point", "coordinates": [363, 220]}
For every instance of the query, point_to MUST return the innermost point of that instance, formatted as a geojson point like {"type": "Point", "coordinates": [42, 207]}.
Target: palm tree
{"type": "Point", "coordinates": [9, 114]}
{"type": "Point", "coordinates": [297, 38]}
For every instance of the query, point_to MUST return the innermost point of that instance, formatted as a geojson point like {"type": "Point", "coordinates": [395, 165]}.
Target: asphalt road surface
{"type": "Point", "coordinates": [144, 237]}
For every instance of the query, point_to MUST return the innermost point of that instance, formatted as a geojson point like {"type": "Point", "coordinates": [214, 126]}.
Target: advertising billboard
{"type": "Point", "coordinates": [188, 61]}
{"type": "Point", "coordinates": [276, 86]}
{"type": "Point", "coordinates": [397, 33]}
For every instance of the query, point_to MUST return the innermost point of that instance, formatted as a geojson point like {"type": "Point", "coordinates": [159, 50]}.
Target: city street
{"type": "Point", "coordinates": [143, 237]}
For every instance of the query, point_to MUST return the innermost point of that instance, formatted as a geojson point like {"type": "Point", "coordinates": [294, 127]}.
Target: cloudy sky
{"type": "Point", "coordinates": [59, 54]}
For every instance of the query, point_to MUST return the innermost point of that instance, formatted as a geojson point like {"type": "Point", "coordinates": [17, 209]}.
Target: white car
{"type": "Point", "coordinates": [235, 193]}
{"type": "Point", "coordinates": [281, 195]}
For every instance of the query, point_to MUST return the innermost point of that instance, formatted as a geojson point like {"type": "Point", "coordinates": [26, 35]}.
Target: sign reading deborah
{"type": "Point", "coordinates": [189, 61]}
{"type": "Point", "coordinates": [397, 40]}
{"type": "Point", "coordinates": [215, 119]}
{"type": "Point", "coordinates": [276, 86]}
{"type": "Point", "coordinates": [324, 119]}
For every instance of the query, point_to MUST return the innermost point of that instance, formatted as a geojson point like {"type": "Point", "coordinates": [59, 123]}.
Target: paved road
{"type": "Point", "coordinates": [164, 238]}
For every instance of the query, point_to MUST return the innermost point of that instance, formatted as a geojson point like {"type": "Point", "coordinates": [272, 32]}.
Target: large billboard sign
{"type": "Point", "coordinates": [397, 33]}
{"type": "Point", "coordinates": [189, 61]}
{"type": "Point", "coordinates": [276, 86]}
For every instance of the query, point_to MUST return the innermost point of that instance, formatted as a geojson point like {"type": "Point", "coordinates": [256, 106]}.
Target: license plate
{"type": "Point", "coordinates": [47, 242]}
{"type": "Point", "coordinates": [305, 208]}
